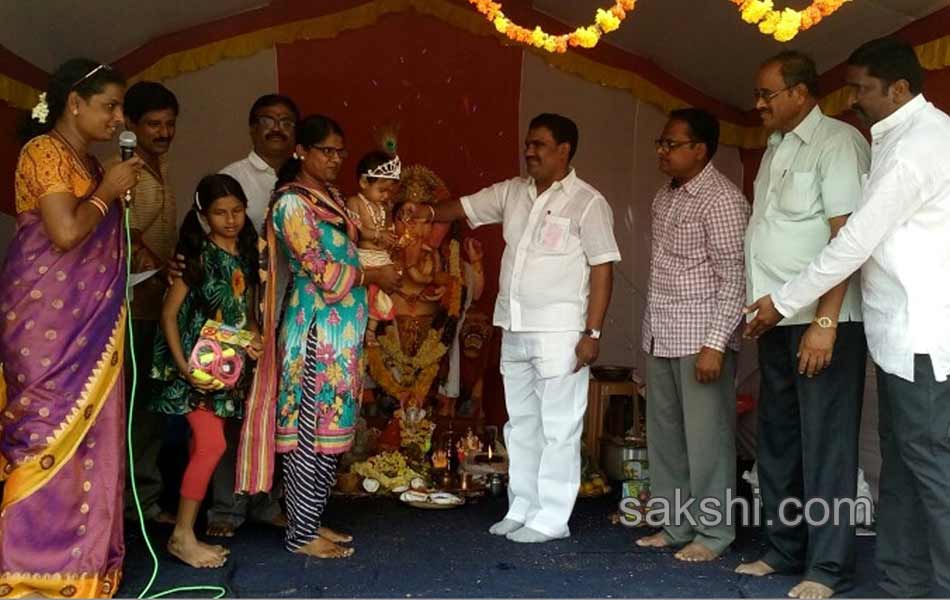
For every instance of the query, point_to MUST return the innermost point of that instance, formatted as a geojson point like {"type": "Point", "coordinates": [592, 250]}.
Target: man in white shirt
{"type": "Point", "coordinates": [273, 121]}
{"type": "Point", "coordinates": [554, 288]}
{"type": "Point", "coordinates": [807, 185]}
{"type": "Point", "coordinates": [900, 239]}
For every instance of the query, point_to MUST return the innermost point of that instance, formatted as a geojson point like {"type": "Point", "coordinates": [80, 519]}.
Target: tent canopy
{"type": "Point", "coordinates": [679, 36]}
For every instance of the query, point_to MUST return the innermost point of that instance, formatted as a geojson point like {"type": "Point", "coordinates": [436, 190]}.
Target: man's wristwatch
{"type": "Point", "coordinates": [593, 334]}
{"type": "Point", "coordinates": [825, 322]}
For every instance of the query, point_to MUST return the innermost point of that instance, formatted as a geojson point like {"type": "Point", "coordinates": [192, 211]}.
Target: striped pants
{"type": "Point", "coordinates": [308, 476]}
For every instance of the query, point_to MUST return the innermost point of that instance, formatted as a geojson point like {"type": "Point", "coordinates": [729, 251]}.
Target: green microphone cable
{"type": "Point", "coordinates": [218, 590]}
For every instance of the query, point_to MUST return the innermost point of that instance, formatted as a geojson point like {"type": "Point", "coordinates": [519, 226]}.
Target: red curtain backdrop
{"type": "Point", "coordinates": [455, 97]}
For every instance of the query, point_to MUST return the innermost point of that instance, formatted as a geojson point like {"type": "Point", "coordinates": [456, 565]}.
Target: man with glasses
{"type": "Point", "coordinates": [809, 406]}
{"type": "Point", "coordinates": [690, 334]}
{"type": "Point", "coordinates": [900, 239]}
{"type": "Point", "coordinates": [273, 122]}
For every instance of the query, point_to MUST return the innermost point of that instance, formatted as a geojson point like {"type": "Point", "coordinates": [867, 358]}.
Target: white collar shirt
{"type": "Point", "coordinates": [551, 242]}
{"type": "Point", "coordinates": [900, 239]}
{"type": "Point", "coordinates": [257, 178]}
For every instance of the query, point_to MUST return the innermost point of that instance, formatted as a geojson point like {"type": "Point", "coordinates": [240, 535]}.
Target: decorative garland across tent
{"type": "Point", "coordinates": [605, 21]}
{"type": "Point", "coordinates": [934, 55]}
{"type": "Point", "coordinates": [785, 24]}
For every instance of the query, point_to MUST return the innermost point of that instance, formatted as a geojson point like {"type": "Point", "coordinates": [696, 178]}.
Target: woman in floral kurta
{"type": "Point", "coordinates": [318, 355]}
{"type": "Point", "coordinates": [323, 264]}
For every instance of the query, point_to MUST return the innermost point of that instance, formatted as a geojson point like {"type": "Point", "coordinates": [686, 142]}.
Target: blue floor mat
{"type": "Point", "coordinates": [404, 552]}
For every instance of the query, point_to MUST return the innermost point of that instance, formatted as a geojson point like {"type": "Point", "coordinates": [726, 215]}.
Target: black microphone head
{"type": "Point", "coordinates": [127, 143]}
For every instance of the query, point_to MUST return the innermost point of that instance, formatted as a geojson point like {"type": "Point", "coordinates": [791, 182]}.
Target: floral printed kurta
{"type": "Point", "coordinates": [222, 296]}
{"type": "Point", "coordinates": [323, 302]}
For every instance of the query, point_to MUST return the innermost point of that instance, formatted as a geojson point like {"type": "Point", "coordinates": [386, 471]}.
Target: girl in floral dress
{"type": "Point", "coordinates": [219, 283]}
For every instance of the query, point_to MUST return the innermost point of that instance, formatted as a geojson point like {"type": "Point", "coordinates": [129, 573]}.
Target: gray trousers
{"type": "Point", "coordinates": [147, 426]}
{"type": "Point", "coordinates": [691, 443]}
{"type": "Point", "coordinates": [913, 518]}
{"type": "Point", "coordinates": [234, 509]}
{"type": "Point", "coordinates": [808, 450]}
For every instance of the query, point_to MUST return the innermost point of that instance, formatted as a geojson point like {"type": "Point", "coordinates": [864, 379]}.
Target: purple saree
{"type": "Point", "coordinates": [62, 449]}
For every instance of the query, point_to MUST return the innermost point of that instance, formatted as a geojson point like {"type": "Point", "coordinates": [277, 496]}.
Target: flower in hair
{"type": "Point", "coordinates": [41, 110]}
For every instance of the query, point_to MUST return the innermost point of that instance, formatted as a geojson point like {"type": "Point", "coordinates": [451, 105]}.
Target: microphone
{"type": "Point", "coordinates": [127, 143]}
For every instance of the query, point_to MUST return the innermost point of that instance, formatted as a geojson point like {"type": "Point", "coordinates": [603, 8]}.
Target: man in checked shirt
{"type": "Point", "coordinates": [690, 333]}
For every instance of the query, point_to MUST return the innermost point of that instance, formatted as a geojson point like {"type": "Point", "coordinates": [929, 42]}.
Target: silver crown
{"type": "Point", "coordinates": [387, 170]}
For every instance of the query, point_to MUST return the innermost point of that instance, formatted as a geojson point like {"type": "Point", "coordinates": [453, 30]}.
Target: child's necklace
{"type": "Point", "coordinates": [376, 213]}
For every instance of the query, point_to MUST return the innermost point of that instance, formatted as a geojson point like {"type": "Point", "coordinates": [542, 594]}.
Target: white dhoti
{"type": "Point", "coordinates": [546, 402]}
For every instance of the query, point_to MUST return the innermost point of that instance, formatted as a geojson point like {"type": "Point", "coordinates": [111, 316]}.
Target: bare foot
{"type": "Point", "coordinates": [811, 590]}
{"type": "Point", "coordinates": [321, 548]}
{"type": "Point", "coordinates": [279, 521]}
{"type": "Point", "coordinates": [195, 554]}
{"type": "Point", "coordinates": [215, 548]}
{"type": "Point", "coordinates": [220, 529]}
{"type": "Point", "coordinates": [696, 552]}
{"type": "Point", "coordinates": [758, 568]}
{"type": "Point", "coordinates": [335, 537]}
{"type": "Point", "coordinates": [164, 518]}
{"type": "Point", "coordinates": [657, 540]}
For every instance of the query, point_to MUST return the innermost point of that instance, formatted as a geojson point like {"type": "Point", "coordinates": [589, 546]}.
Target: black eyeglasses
{"type": "Point", "coordinates": [768, 95]}
{"type": "Point", "coordinates": [668, 145]}
{"type": "Point", "coordinates": [273, 122]}
{"type": "Point", "coordinates": [330, 151]}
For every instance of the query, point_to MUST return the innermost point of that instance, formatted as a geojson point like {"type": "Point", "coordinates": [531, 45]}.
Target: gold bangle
{"type": "Point", "coordinates": [99, 205]}
{"type": "Point", "coordinates": [362, 278]}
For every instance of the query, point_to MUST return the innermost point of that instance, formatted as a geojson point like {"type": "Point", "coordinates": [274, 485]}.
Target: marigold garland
{"type": "Point", "coordinates": [784, 25]}
{"type": "Point", "coordinates": [416, 373]}
{"type": "Point", "coordinates": [605, 21]}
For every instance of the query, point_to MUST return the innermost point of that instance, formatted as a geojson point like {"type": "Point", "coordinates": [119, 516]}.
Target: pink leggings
{"type": "Point", "coordinates": [206, 449]}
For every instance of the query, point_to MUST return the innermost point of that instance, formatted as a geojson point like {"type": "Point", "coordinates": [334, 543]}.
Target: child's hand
{"type": "Point", "coordinates": [256, 348]}
{"type": "Point", "coordinates": [387, 239]}
{"type": "Point", "coordinates": [200, 381]}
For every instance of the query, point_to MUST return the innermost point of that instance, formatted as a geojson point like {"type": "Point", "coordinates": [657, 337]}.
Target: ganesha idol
{"type": "Point", "coordinates": [412, 360]}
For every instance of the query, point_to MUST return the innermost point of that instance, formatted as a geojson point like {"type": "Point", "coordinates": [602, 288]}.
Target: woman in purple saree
{"type": "Point", "coordinates": [62, 333]}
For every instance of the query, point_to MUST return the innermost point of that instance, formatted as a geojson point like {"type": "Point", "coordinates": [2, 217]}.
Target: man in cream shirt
{"type": "Point", "coordinates": [809, 406]}
{"type": "Point", "coordinates": [900, 239]}
{"type": "Point", "coordinates": [554, 288]}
